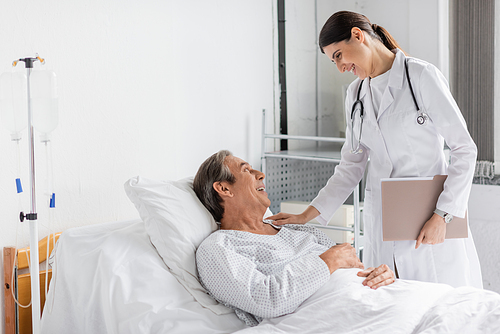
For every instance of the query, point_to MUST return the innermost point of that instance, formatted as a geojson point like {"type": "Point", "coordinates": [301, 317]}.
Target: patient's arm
{"type": "Point", "coordinates": [341, 256]}
{"type": "Point", "coordinates": [377, 277]}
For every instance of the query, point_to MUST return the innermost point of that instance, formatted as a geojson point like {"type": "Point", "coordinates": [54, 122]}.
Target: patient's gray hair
{"type": "Point", "coordinates": [213, 170]}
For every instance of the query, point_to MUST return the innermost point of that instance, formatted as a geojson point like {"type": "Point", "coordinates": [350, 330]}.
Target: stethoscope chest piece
{"type": "Point", "coordinates": [422, 118]}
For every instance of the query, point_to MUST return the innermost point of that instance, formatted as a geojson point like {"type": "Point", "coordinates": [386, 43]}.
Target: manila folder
{"type": "Point", "coordinates": [408, 203]}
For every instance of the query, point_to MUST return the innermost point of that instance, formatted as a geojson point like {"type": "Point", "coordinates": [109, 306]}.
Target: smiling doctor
{"type": "Point", "coordinates": [401, 113]}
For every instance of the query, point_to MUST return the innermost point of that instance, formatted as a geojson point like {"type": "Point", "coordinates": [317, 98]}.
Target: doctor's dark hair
{"type": "Point", "coordinates": [338, 28]}
{"type": "Point", "coordinates": [213, 170]}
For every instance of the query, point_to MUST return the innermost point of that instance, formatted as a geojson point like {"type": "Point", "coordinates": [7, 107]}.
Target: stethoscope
{"type": "Point", "coordinates": [358, 104]}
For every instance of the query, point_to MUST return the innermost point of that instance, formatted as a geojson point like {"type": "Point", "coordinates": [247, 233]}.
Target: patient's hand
{"type": "Point", "coordinates": [377, 277]}
{"type": "Point", "coordinates": [341, 256]}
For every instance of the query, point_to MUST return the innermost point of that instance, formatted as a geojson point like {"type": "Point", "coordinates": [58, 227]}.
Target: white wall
{"type": "Point", "coordinates": [147, 87]}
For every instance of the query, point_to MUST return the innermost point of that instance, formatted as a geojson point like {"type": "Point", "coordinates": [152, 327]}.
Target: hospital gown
{"type": "Point", "coordinates": [263, 276]}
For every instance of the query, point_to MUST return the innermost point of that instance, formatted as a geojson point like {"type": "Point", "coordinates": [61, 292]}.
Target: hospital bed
{"type": "Point", "coordinates": [139, 276]}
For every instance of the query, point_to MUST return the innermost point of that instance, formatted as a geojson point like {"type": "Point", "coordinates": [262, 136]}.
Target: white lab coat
{"type": "Point", "coordinates": [398, 147]}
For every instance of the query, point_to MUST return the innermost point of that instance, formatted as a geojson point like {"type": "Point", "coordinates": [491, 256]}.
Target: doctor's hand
{"type": "Point", "coordinates": [283, 218]}
{"type": "Point", "coordinates": [433, 231]}
{"type": "Point", "coordinates": [341, 256]}
{"type": "Point", "coordinates": [377, 277]}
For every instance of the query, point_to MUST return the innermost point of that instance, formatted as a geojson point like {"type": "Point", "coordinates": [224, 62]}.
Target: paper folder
{"type": "Point", "coordinates": [407, 204]}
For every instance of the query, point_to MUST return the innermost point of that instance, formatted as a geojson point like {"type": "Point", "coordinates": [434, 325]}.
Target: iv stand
{"type": "Point", "coordinates": [32, 216]}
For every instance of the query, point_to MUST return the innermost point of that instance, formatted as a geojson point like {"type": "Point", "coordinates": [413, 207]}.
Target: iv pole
{"type": "Point", "coordinates": [32, 216]}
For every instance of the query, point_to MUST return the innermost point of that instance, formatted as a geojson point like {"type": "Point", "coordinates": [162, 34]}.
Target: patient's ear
{"type": "Point", "coordinates": [222, 188]}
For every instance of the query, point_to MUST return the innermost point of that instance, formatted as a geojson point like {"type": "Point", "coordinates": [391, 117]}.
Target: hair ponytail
{"type": "Point", "coordinates": [385, 37]}
{"type": "Point", "coordinates": [338, 28]}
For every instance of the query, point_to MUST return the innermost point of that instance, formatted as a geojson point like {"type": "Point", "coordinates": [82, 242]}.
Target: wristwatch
{"type": "Point", "coordinates": [447, 217]}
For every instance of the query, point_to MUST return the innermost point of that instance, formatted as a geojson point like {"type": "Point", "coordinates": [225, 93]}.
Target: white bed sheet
{"type": "Point", "coordinates": [344, 305]}
{"type": "Point", "coordinates": [108, 278]}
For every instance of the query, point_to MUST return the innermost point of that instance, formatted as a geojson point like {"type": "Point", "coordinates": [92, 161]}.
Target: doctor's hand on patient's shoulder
{"type": "Point", "coordinates": [341, 256]}
{"type": "Point", "coordinates": [283, 218]}
{"type": "Point", "coordinates": [433, 232]}
{"type": "Point", "coordinates": [377, 277]}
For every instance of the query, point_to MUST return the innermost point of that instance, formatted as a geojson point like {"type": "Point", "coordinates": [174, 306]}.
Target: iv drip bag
{"type": "Point", "coordinates": [13, 102]}
{"type": "Point", "coordinates": [44, 102]}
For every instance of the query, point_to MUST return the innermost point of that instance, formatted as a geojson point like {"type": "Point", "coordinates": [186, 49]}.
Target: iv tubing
{"type": "Point", "coordinates": [49, 178]}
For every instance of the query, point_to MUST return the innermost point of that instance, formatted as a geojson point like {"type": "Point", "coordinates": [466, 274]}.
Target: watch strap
{"type": "Point", "coordinates": [446, 216]}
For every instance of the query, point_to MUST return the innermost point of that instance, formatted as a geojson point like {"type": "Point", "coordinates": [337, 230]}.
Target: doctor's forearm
{"type": "Point", "coordinates": [309, 214]}
{"type": "Point", "coordinates": [455, 195]}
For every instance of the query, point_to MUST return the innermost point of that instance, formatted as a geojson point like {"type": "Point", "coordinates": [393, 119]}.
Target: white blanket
{"type": "Point", "coordinates": [344, 305]}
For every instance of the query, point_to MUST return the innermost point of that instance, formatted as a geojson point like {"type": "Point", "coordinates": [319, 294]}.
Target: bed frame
{"type": "Point", "coordinates": [18, 319]}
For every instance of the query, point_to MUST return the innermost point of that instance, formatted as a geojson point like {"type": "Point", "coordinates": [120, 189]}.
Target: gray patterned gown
{"type": "Point", "coordinates": [263, 276]}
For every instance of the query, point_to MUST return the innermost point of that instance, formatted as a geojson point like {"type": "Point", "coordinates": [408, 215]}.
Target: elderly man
{"type": "Point", "coordinates": [259, 269]}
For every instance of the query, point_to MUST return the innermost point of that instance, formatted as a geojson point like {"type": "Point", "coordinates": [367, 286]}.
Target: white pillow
{"type": "Point", "coordinates": [176, 223]}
